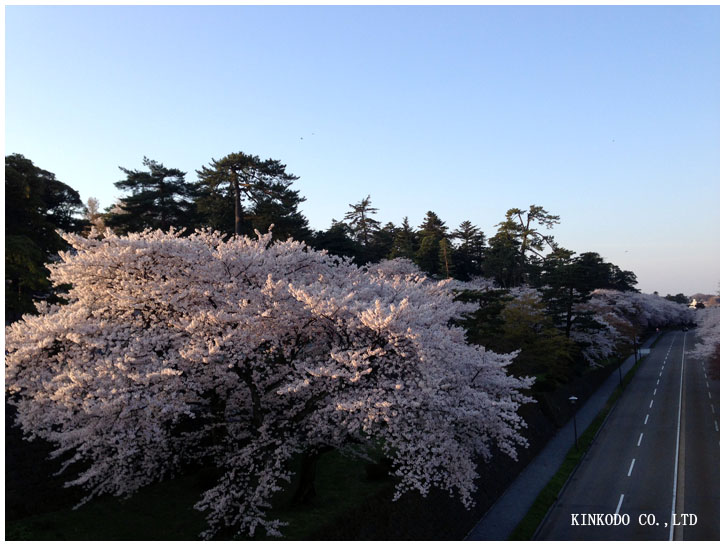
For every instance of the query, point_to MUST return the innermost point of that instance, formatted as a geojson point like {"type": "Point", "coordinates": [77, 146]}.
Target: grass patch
{"type": "Point", "coordinates": [164, 511]}
{"type": "Point", "coordinates": [161, 511]}
{"type": "Point", "coordinates": [341, 485]}
{"type": "Point", "coordinates": [550, 493]}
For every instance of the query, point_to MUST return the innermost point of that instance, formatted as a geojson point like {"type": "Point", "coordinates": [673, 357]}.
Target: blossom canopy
{"type": "Point", "coordinates": [242, 353]}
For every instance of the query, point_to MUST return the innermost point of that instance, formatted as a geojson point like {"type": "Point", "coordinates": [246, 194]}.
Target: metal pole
{"type": "Point", "coordinates": [573, 400]}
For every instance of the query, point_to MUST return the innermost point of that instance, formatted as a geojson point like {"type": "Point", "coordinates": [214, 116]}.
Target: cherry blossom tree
{"type": "Point", "coordinates": [707, 347]}
{"type": "Point", "coordinates": [604, 323]}
{"type": "Point", "coordinates": [600, 340]}
{"type": "Point", "coordinates": [645, 310]}
{"type": "Point", "coordinates": [623, 316]}
{"type": "Point", "coordinates": [245, 353]}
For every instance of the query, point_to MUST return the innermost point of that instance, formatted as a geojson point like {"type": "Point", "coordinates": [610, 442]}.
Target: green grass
{"type": "Point", "coordinates": [341, 485]}
{"type": "Point", "coordinates": [164, 511]}
{"type": "Point", "coordinates": [161, 511]}
{"type": "Point", "coordinates": [550, 493]}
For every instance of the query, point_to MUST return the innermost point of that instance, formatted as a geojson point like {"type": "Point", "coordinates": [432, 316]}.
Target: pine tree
{"type": "Point", "coordinates": [362, 224]}
{"type": "Point", "coordinates": [468, 255]}
{"type": "Point", "coordinates": [500, 258]}
{"type": "Point", "coordinates": [264, 186]}
{"type": "Point", "coordinates": [515, 252]}
{"type": "Point", "coordinates": [432, 226]}
{"type": "Point", "coordinates": [429, 255]}
{"type": "Point", "coordinates": [445, 258]}
{"type": "Point", "coordinates": [404, 243]}
{"type": "Point", "coordinates": [382, 242]}
{"type": "Point", "coordinates": [159, 199]}
{"type": "Point", "coordinates": [337, 240]}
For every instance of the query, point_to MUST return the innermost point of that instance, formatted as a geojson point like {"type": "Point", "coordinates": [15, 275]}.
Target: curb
{"type": "Point", "coordinates": [581, 459]}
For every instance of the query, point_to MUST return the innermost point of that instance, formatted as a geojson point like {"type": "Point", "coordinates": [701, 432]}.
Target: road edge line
{"type": "Point", "coordinates": [677, 442]}
{"type": "Point", "coordinates": [614, 398]}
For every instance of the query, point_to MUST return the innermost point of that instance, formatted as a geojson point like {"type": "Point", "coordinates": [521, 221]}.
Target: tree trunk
{"type": "Point", "coordinates": [308, 470]}
{"type": "Point", "coordinates": [569, 306]}
{"type": "Point", "coordinates": [237, 207]}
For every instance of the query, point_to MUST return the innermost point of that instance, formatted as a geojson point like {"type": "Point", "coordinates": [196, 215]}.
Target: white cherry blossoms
{"type": "Point", "coordinates": [242, 353]}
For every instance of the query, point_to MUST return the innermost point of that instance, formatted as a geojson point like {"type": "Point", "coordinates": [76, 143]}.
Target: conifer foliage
{"type": "Point", "coordinates": [158, 198]}
{"type": "Point", "coordinates": [241, 192]}
{"type": "Point", "coordinates": [36, 204]}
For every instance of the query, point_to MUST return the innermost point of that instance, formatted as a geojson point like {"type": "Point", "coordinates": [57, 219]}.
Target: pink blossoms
{"type": "Point", "coordinates": [244, 353]}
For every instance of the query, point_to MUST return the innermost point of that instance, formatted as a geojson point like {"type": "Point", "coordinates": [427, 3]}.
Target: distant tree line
{"type": "Point", "coordinates": [241, 193]}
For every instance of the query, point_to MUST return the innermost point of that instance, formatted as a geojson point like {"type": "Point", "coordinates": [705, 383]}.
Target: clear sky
{"type": "Point", "coordinates": [606, 116]}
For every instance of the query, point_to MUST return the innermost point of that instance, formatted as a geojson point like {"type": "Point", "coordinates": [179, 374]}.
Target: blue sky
{"type": "Point", "coordinates": [606, 116]}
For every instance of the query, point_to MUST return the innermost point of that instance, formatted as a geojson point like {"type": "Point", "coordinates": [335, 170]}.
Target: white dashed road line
{"type": "Point", "coordinates": [619, 505]}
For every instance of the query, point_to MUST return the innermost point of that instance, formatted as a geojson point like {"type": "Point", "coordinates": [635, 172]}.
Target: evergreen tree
{"type": "Point", "coordinates": [36, 204]}
{"type": "Point", "coordinates": [264, 186]}
{"type": "Point", "coordinates": [468, 256]}
{"type": "Point", "coordinates": [159, 199]}
{"type": "Point", "coordinates": [678, 298]}
{"type": "Point", "coordinates": [567, 281]}
{"type": "Point", "coordinates": [500, 258]}
{"type": "Point", "coordinates": [484, 326]}
{"type": "Point", "coordinates": [428, 255]}
{"type": "Point", "coordinates": [521, 229]}
{"type": "Point", "coordinates": [445, 258]}
{"type": "Point", "coordinates": [562, 286]}
{"type": "Point", "coordinates": [337, 240]}
{"type": "Point", "coordinates": [544, 351]}
{"type": "Point", "coordinates": [505, 322]}
{"type": "Point", "coordinates": [382, 241]}
{"type": "Point", "coordinates": [283, 213]}
{"type": "Point", "coordinates": [361, 221]}
{"type": "Point", "coordinates": [622, 279]}
{"type": "Point", "coordinates": [432, 226]}
{"type": "Point", "coordinates": [404, 242]}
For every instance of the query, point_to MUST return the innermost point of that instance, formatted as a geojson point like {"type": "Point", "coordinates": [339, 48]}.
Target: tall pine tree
{"type": "Point", "coordinates": [468, 256]}
{"type": "Point", "coordinates": [361, 221]}
{"type": "Point", "coordinates": [404, 242]}
{"type": "Point", "coordinates": [431, 257]}
{"type": "Point", "coordinates": [241, 192]}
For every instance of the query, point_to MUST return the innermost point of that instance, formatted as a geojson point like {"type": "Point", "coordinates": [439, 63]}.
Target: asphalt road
{"type": "Point", "coordinates": [658, 454]}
